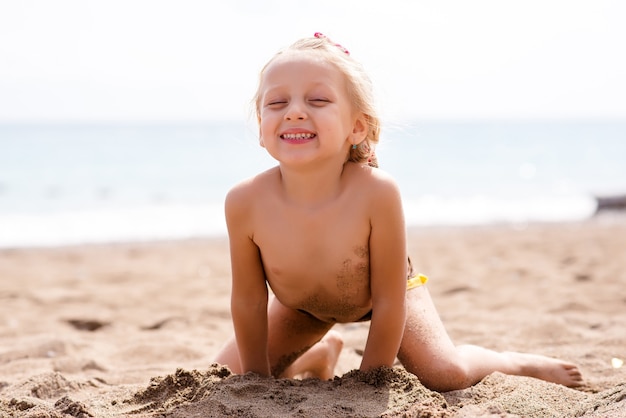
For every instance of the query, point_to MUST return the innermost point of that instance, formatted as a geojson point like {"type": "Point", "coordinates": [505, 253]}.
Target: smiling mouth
{"type": "Point", "coordinates": [298, 137]}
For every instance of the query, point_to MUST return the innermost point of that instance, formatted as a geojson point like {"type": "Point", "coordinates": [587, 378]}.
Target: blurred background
{"type": "Point", "coordinates": [130, 120]}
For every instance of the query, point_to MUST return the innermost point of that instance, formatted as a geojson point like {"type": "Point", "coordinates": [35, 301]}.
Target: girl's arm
{"type": "Point", "coordinates": [388, 276]}
{"type": "Point", "coordinates": [249, 290]}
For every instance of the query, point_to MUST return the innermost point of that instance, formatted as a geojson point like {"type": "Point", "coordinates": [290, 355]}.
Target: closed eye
{"type": "Point", "coordinates": [276, 103]}
{"type": "Point", "coordinates": [319, 101]}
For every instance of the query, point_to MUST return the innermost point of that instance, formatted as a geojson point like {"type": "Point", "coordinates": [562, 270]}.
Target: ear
{"type": "Point", "coordinates": [261, 143]}
{"type": "Point", "coordinates": [360, 128]}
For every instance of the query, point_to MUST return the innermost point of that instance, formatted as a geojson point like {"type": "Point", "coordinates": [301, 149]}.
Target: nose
{"type": "Point", "coordinates": [295, 111]}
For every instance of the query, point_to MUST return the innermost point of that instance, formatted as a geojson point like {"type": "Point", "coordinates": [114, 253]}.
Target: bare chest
{"type": "Point", "coordinates": [318, 263]}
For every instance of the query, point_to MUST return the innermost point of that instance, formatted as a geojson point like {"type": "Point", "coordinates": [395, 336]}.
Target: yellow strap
{"type": "Point", "coordinates": [416, 281]}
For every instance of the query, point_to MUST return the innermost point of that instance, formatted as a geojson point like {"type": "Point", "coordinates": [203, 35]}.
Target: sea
{"type": "Point", "coordinates": [99, 183]}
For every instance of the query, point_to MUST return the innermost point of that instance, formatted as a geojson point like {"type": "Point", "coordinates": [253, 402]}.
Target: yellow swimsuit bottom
{"type": "Point", "coordinates": [416, 281]}
{"type": "Point", "coordinates": [413, 282]}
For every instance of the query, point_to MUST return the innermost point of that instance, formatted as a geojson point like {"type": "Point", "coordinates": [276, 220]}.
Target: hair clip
{"type": "Point", "coordinates": [320, 35]}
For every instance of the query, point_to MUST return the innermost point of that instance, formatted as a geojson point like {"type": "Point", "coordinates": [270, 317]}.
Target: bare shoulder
{"type": "Point", "coordinates": [374, 182]}
{"type": "Point", "coordinates": [249, 188]}
{"type": "Point", "coordinates": [240, 198]}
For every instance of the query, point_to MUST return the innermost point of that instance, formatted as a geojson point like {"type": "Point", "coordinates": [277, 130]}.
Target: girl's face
{"type": "Point", "coordinates": [305, 111]}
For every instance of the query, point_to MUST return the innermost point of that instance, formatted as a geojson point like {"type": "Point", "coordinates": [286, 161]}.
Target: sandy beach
{"type": "Point", "coordinates": [130, 329]}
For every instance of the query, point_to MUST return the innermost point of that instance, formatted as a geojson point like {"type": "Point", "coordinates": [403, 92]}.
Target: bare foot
{"type": "Point", "coordinates": [320, 360]}
{"type": "Point", "coordinates": [546, 368]}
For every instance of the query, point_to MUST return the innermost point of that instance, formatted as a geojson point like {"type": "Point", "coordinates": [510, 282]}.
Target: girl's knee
{"type": "Point", "coordinates": [229, 356]}
{"type": "Point", "coordinates": [444, 376]}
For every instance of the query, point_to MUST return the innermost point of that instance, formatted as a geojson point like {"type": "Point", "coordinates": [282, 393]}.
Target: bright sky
{"type": "Point", "coordinates": [198, 60]}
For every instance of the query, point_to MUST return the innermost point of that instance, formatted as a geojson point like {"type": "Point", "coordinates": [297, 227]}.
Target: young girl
{"type": "Point", "coordinates": [325, 230]}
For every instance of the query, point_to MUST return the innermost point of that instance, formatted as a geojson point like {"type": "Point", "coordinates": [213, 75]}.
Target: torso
{"type": "Point", "coordinates": [316, 260]}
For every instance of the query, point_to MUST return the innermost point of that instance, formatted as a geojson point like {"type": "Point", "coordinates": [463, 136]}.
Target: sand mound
{"type": "Point", "coordinates": [385, 392]}
{"type": "Point", "coordinates": [381, 393]}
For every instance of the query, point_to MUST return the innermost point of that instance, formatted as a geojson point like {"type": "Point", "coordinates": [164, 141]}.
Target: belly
{"type": "Point", "coordinates": [339, 320]}
{"type": "Point", "coordinates": [331, 308]}
{"type": "Point", "coordinates": [327, 277]}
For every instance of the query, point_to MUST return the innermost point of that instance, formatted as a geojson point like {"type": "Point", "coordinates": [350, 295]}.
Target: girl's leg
{"type": "Point", "coordinates": [320, 360]}
{"type": "Point", "coordinates": [428, 352]}
{"type": "Point", "coordinates": [298, 344]}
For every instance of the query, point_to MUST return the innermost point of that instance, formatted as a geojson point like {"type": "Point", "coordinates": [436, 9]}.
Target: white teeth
{"type": "Point", "coordinates": [298, 136]}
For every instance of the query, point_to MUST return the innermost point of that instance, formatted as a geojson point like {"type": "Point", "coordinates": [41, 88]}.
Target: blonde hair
{"type": "Point", "coordinates": [359, 85]}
